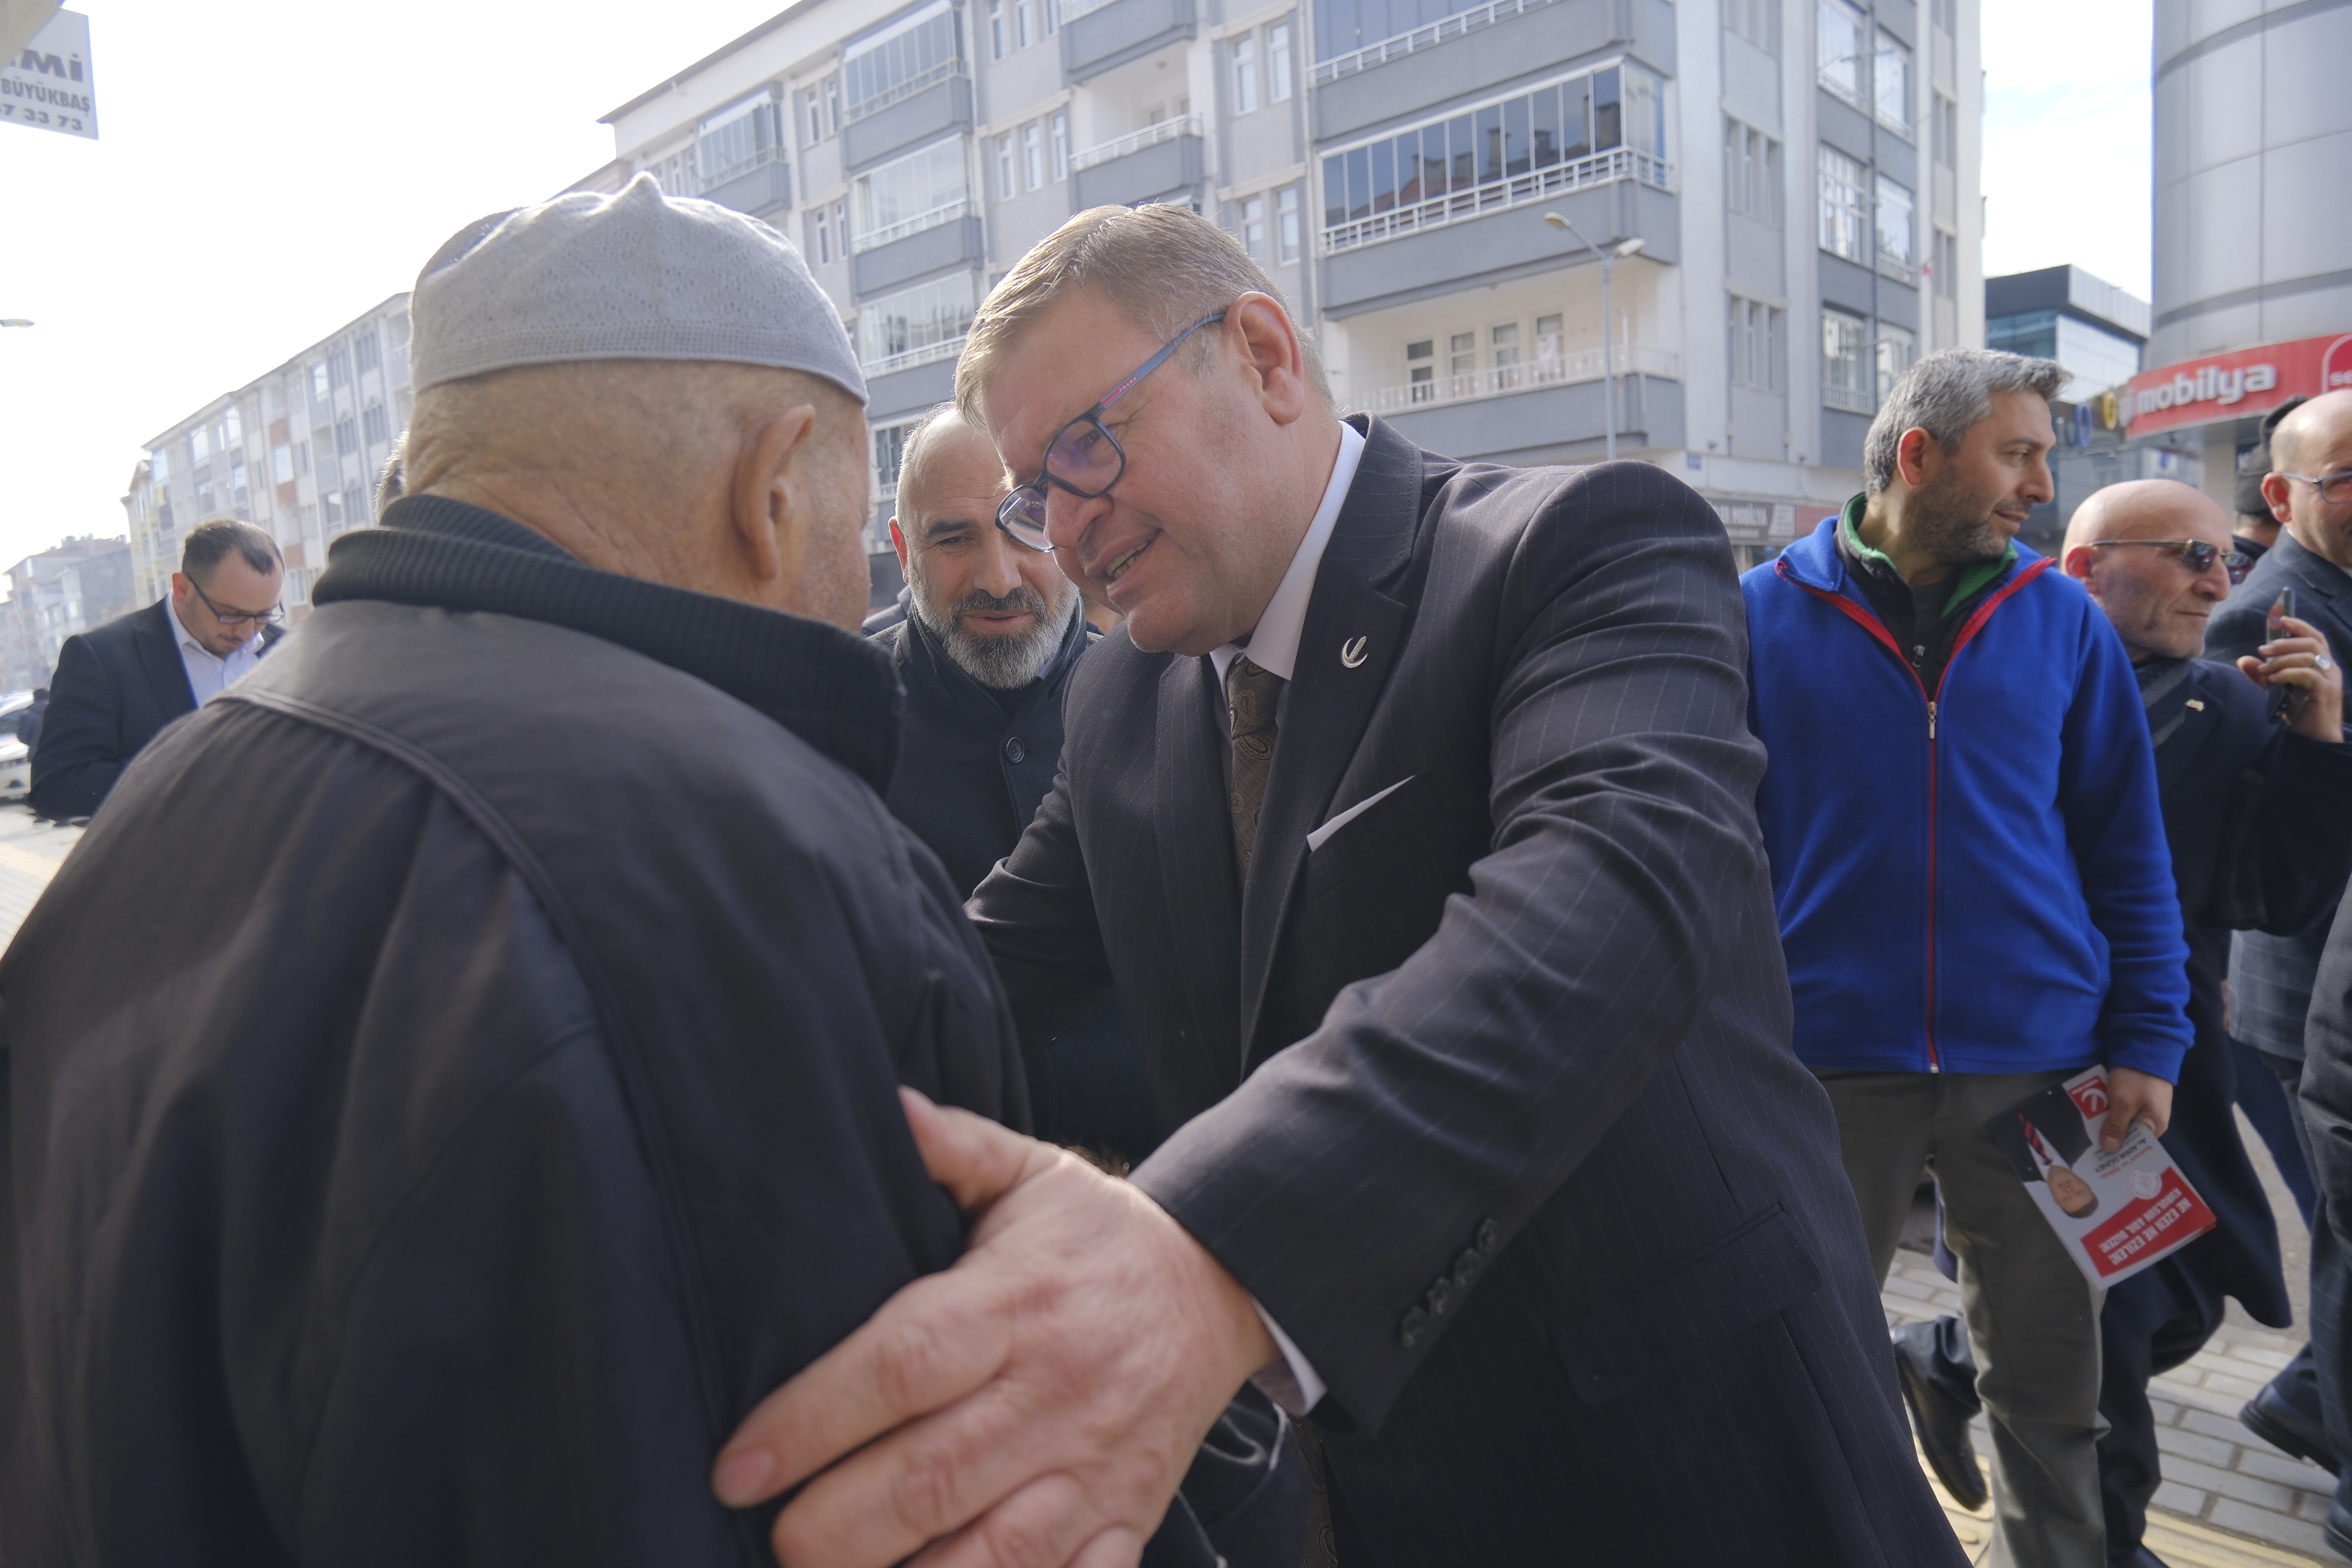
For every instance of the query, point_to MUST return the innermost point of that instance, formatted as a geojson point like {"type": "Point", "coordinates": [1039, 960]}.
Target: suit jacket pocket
{"type": "Point", "coordinates": [1400, 815]}
{"type": "Point", "coordinates": [1734, 1282]}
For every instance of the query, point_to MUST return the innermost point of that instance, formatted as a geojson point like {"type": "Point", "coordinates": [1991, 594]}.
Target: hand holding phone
{"type": "Point", "coordinates": [2280, 697]}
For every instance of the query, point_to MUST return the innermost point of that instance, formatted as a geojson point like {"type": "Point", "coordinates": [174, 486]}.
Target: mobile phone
{"type": "Point", "coordinates": [2280, 697]}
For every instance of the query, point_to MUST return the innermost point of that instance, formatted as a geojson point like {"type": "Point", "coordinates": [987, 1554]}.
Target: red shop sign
{"type": "Point", "coordinates": [2228, 386]}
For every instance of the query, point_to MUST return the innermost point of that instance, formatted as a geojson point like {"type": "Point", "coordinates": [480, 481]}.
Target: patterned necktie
{"type": "Point", "coordinates": [1250, 696]}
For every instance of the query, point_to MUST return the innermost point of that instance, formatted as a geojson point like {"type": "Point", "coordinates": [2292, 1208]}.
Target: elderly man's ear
{"type": "Point", "coordinates": [776, 499]}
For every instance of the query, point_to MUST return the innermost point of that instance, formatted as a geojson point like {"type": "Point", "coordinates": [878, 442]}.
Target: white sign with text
{"type": "Point", "coordinates": [48, 85]}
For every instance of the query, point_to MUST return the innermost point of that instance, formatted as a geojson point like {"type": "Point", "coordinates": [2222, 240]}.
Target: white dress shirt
{"type": "Point", "coordinates": [1274, 648]}
{"type": "Point", "coordinates": [209, 674]}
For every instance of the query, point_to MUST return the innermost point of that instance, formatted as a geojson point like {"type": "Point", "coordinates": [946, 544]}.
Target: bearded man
{"type": "Point", "coordinates": [1968, 859]}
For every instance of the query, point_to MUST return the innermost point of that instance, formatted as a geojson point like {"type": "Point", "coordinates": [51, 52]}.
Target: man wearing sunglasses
{"type": "Point", "coordinates": [2156, 556]}
{"type": "Point", "coordinates": [1412, 815]}
{"type": "Point", "coordinates": [119, 684]}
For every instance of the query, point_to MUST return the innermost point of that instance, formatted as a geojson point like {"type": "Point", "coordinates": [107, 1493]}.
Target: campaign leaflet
{"type": "Point", "coordinates": [2117, 1213]}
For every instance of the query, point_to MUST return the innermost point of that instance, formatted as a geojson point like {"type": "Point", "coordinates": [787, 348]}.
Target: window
{"type": "Point", "coordinates": [1244, 73]}
{"type": "Point", "coordinates": [996, 29]}
{"type": "Point", "coordinates": [1548, 347]}
{"type": "Point", "coordinates": [1751, 172]}
{"type": "Point", "coordinates": [928, 184]}
{"type": "Point", "coordinates": [347, 436]}
{"type": "Point", "coordinates": [200, 444]}
{"type": "Point", "coordinates": [1462, 363]}
{"type": "Point", "coordinates": [1421, 370]}
{"type": "Point", "coordinates": [1559, 123]}
{"type": "Point", "coordinates": [1286, 203]}
{"type": "Point", "coordinates": [318, 382]}
{"type": "Point", "coordinates": [1891, 76]}
{"type": "Point", "coordinates": [1757, 21]}
{"type": "Point", "coordinates": [833, 105]}
{"type": "Point", "coordinates": [1505, 342]}
{"type": "Point", "coordinates": [233, 424]}
{"type": "Point", "coordinates": [1755, 338]}
{"type": "Point", "coordinates": [1033, 154]}
{"type": "Point", "coordinates": [1946, 131]}
{"type": "Point", "coordinates": [1894, 353]}
{"type": "Point", "coordinates": [1839, 40]}
{"type": "Point", "coordinates": [1948, 265]}
{"type": "Point", "coordinates": [812, 116]}
{"type": "Point", "coordinates": [676, 174]}
{"type": "Point", "coordinates": [365, 353]}
{"type": "Point", "coordinates": [1278, 62]}
{"type": "Point", "coordinates": [738, 139]}
{"type": "Point", "coordinates": [1005, 166]}
{"type": "Point", "coordinates": [1061, 124]}
{"type": "Point", "coordinates": [160, 465]}
{"type": "Point", "coordinates": [1254, 228]}
{"type": "Point", "coordinates": [1842, 206]}
{"type": "Point", "coordinates": [1023, 33]}
{"type": "Point", "coordinates": [821, 235]}
{"type": "Point", "coordinates": [1946, 16]}
{"type": "Point", "coordinates": [240, 496]}
{"type": "Point", "coordinates": [1843, 341]}
{"type": "Point", "coordinates": [889, 456]}
{"type": "Point", "coordinates": [918, 318]}
{"type": "Point", "coordinates": [1053, 16]}
{"type": "Point", "coordinates": [281, 464]}
{"type": "Point", "coordinates": [376, 423]}
{"type": "Point", "coordinates": [1895, 244]}
{"type": "Point", "coordinates": [330, 510]}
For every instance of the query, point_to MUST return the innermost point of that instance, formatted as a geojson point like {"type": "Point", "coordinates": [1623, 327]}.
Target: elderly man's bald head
{"type": "Point", "coordinates": [2156, 555]}
{"type": "Point", "coordinates": [2148, 509]}
{"type": "Point", "coordinates": [2309, 445]}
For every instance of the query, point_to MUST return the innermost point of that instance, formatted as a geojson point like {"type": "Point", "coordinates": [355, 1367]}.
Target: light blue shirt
{"type": "Point", "coordinates": [209, 674]}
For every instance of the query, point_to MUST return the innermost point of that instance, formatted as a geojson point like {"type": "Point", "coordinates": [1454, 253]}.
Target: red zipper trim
{"type": "Point", "coordinates": [1870, 623]}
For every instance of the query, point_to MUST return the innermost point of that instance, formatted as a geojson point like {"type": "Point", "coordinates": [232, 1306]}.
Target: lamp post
{"type": "Point", "coordinates": [14, 321]}
{"type": "Point", "coordinates": [1617, 252]}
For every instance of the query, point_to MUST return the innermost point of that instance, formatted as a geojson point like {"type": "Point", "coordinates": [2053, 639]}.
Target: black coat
{"type": "Point", "coordinates": [1489, 1098]}
{"type": "Point", "coordinates": [116, 687]}
{"type": "Point", "coordinates": [2261, 839]}
{"type": "Point", "coordinates": [480, 1030]}
{"type": "Point", "coordinates": [2270, 974]}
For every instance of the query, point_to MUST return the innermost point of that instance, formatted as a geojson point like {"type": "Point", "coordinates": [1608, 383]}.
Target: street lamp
{"type": "Point", "coordinates": [1617, 252]}
{"type": "Point", "coordinates": [14, 321]}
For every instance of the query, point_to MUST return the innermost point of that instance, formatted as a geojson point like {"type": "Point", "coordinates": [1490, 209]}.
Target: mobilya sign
{"type": "Point", "coordinates": [47, 86]}
{"type": "Point", "coordinates": [2224, 386]}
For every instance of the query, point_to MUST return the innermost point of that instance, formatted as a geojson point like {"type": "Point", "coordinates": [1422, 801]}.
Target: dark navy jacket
{"type": "Point", "coordinates": [1972, 879]}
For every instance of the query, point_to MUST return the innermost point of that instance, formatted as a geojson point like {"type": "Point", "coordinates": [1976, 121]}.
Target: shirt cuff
{"type": "Point", "coordinates": [1290, 1383]}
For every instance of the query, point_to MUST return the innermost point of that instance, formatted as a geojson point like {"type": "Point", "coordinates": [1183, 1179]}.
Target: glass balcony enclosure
{"type": "Point", "coordinates": [902, 58]}
{"type": "Point", "coordinates": [739, 137]}
{"type": "Point", "coordinates": [928, 187]}
{"type": "Point", "coordinates": [916, 325]}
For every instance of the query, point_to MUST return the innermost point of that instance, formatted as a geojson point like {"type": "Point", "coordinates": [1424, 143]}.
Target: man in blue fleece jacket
{"type": "Point", "coordinates": [1974, 890]}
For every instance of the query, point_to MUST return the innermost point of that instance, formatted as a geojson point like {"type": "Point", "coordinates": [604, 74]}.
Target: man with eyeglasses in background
{"type": "Point", "coordinates": [119, 684]}
{"type": "Point", "coordinates": [2253, 816]}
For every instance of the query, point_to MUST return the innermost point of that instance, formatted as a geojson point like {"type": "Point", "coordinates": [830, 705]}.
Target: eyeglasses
{"type": "Point", "coordinates": [2194, 554]}
{"type": "Point", "coordinates": [268, 618]}
{"type": "Point", "coordinates": [1083, 458]}
{"type": "Point", "coordinates": [2335, 488]}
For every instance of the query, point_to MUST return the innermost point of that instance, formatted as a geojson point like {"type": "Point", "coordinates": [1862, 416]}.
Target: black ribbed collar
{"type": "Point", "coordinates": [832, 689]}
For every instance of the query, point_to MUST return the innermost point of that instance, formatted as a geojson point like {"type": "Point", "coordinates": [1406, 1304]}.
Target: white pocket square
{"type": "Point", "coordinates": [1317, 839]}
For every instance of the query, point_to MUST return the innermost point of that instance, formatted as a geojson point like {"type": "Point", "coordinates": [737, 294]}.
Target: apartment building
{"type": "Point", "coordinates": [296, 451]}
{"type": "Point", "coordinates": [1801, 176]}
{"type": "Point", "coordinates": [71, 587]}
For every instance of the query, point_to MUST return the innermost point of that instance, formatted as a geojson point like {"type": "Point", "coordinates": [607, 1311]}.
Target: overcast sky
{"type": "Point", "coordinates": [268, 169]}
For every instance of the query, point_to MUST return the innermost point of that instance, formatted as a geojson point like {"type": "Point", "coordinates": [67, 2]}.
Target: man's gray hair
{"type": "Point", "coordinates": [921, 434]}
{"type": "Point", "coordinates": [1945, 395]}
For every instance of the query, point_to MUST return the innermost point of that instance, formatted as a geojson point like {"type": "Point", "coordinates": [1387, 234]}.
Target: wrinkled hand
{"type": "Point", "coordinates": [2135, 1096]}
{"type": "Point", "coordinates": [1033, 1406]}
{"type": "Point", "coordinates": [2296, 659]}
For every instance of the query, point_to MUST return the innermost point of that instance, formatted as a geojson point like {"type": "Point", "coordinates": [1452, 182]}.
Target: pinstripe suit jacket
{"type": "Point", "coordinates": [1488, 1097]}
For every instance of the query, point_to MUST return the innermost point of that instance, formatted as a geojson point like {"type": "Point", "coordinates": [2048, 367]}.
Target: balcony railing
{"type": "Point", "coordinates": [1853, 399]}
{"type": "Point", "coordinates": [903, 90]}
{"type": "Point", "coordinates": [1436, 33]}
{"type": "Point", "coordinates": [1501, 381]}
{"type": "Point", "coordinates": [1135, 141]}
{"type": "Point", "coordinates": [713, 179]}
{"type": "Point", "coordinates": [1074, 9]}
{"type": "Point", "coordinates": [1495, 195]}
{"type": "Point", "coordinates": [905, 226]}
{"type": "Point", "coordinates": [929, 353]}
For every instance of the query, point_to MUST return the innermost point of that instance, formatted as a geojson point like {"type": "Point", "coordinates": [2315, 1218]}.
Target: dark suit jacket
{"type": "Point", "coordinates": [2271, 975]}
{"type": "Point", "coordinates": [115, 687]}
{"type": "Point", "coordinates": [1489, 1098]}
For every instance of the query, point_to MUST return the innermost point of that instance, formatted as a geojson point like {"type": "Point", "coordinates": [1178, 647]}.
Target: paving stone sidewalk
{"type": "Point", "coordinates": [30, 854]}
{"type": "Point", "coordinates": [2229, 1500]}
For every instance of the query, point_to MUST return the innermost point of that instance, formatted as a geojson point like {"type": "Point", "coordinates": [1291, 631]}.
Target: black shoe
{"type": "Point", "coordinates": [2276, 1420]}
{"type": "Point", "coordinates": [1942, 1424]}
{"type": "Point", "coordinates": [2339, 1529]}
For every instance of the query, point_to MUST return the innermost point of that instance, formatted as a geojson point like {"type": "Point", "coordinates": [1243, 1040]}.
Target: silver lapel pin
{"type": "Point", "coordinates": [1353, 654]}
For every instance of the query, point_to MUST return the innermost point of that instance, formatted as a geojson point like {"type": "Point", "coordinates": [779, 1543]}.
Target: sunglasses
{"type": "Point", "coordinates": [2194, 554]}
{"type": "Point", "coordinates": [1084, 459]}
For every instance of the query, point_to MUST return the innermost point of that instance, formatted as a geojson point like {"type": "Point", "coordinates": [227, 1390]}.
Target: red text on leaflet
{"type": "Point", "coordinates": [2174, 1215]}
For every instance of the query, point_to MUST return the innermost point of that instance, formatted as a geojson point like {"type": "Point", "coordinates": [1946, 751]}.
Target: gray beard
{"type": "Point", "coordinates": [1000, 661]}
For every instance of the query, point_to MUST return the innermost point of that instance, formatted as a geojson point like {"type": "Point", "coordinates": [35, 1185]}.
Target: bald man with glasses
{"type": "Point", "coordinates": [118, 685]}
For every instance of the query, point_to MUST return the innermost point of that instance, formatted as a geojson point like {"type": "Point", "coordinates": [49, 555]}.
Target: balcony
{"type": "Point", "coordinates": [760, 186]}
{"type": "Point", "coordinates": [914, 247]}
{"type": "Point", "coordinates": [1157, 161]}
{"type": "Point", "coordinates": [919, 379]}
{"type": "Point", "coordinates": [922, 109]}
{"type": "Point", "coordinates": [1852, 399]}
{"type": "Point", "coordinates": [1493, 232]}
{"type": "Point", "coordinates": [1500, 381]}
{"type": "Point", "coordinates": [1528, 421]}
{"type": "Point", "coordinates": [1099, 36]}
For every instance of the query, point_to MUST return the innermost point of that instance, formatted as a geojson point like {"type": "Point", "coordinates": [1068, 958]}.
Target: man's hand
{"type": "Point", "coordinates": [2301, 659]}
{"type": "Point", "coordinates": [2135, 1096]}
{"type": "Point", "coordinates": [1034, 1406]}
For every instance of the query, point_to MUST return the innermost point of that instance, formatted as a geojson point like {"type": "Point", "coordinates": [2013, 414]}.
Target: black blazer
{"type": "Point", "coordinates": [116, 686]}
{"type": "Point", "coordinates": [2271, 975]}
{"type": "Point", "coordinates": [1488, 1100]}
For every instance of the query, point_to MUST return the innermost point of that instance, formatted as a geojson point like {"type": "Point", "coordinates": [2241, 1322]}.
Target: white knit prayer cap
{"type": "Point", "coordinates": [634, 276]}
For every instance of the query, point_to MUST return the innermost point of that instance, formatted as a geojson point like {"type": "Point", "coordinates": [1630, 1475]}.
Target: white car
{"type": "Point", "coordinates": [16, 757]}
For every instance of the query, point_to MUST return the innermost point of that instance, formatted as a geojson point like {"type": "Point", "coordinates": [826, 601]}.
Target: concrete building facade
{"type": "Point", "coordinates": [296, 451]}
{"type": "Point", "coordinates": [77, 585]}
{"type": "Point", "coordinates": [1801, 174]}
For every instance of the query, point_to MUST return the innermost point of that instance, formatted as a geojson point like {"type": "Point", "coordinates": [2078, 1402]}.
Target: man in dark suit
{"type": "Point", "coordinates": [2271, 976]}
{"type": "Point", "coordinates": [118, 684]}
{"type": "Point", "coordinates": [1445, 934]}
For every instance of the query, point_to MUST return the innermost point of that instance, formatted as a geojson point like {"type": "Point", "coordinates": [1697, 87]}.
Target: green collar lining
{"type": "Point", "coordinates": [1974, 578]}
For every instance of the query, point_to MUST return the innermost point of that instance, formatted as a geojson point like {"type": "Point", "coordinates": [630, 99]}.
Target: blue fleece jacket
{"type": "Point", "coordinates": [1974, 879]}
